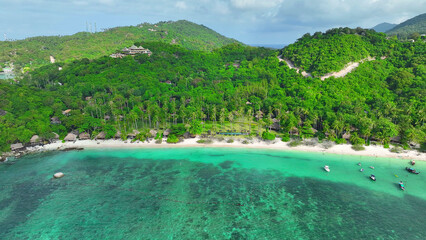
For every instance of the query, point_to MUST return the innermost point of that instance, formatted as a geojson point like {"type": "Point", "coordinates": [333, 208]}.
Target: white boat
{"type": "Point", "coordinates": [327, 168]}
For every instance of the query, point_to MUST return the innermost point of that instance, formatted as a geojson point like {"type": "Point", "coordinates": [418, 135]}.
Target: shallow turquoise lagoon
{"type": "Point", "coordinates": [209, 193]}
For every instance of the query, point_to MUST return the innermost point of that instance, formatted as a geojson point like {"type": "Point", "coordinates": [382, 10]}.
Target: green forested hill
{"type": "Point", "coordinates": [181, 89]}
{"type": "Point", "coordinates": [416, 26]}
{"type": "Point", "coordinates": [93, 45]}
{"type": "Point", "coordinates": [327, 52]}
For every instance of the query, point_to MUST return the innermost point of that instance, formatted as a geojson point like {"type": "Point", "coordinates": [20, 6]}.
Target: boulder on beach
{"type": "Point", "coordinates": [186, 135]}
{"type": "Point", "coordinates": [58, 175]}
{"type": "Point", "coordinates": [16, 146]}
{"type": "Point", "coordinates": [35, 139]}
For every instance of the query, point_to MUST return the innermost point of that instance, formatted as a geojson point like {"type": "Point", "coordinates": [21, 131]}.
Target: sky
{"type": "Point", "coordinates": [249, 21]}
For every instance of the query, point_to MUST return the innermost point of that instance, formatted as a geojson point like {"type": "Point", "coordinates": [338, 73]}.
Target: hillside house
{"type": "Point", "coordinates": [131, 51]}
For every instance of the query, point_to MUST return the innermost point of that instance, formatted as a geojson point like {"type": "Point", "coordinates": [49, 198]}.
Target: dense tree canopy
{"type": "Point", "coordinates": [327, 52]}
{"type": "Point", "coordinates": [189, 90]}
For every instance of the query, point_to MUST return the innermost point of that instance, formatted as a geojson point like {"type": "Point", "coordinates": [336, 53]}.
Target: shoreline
{"type": "Point", "coordinates": [341, 149]}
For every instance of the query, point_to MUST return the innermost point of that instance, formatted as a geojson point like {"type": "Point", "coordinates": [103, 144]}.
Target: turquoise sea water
{"type": "Point", "coordinates": [209, 193]}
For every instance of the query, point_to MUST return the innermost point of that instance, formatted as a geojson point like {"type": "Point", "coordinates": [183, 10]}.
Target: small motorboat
{"type": "Point", "coordinates": [361, 170]}
{"type": "Point", "coordinates": [327, 168]}
{"type": "Point", "coordinates": [401, 185]}
{"type": "Point", "coordinates": [371, 167]}
{"type": "Point", "coordinates": [413, 162]}
{"type": "Point", "coordinates": [412, 170]}
{"type": "Point", "coordinates": [359, 164]}
{"type": "Point", "coordinates": [372, 177]}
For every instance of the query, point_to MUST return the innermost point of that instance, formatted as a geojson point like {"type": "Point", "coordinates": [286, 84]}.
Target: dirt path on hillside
{"type": "Point", "coordinates": [347, 69]}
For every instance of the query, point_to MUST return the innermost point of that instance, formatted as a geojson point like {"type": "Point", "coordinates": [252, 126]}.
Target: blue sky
{"type": "Point", "coordinates": [250, 21]}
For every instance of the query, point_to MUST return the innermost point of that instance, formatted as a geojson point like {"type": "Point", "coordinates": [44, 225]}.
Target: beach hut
{"type": "Point", "coordinates": [167, 132]}
{"type": "Point", "coordinates": [294, 131]}
{"type": "Point", "coordinates": [101, 136]}
{"type": "Point", "coordinates": [133, 134]}
{"type": "Point", "coordinates": [275, 125]}
{"type": "Point", "coordinates": [396, 139]}
{"type": "Point", "coordinates": [153, 132]}
{"type": "Point", "coordinates": [70, 137]}
{"type": "Point", "coordinates": [55, 136]}
{"type": "Point", "coordinates": [117, 135]}
{"type": "Point", "coordinates": [16, 147]}
{"type": "Point", "coordinates": [346, 136]}
{"type": "Point", "coordinates": [84, 136]}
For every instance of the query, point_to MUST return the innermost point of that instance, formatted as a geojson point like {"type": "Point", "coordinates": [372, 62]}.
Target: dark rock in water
{"type": "Point", "coordinates": [72, 149]}
{"type": "Point", "coordinates": [226, 164]}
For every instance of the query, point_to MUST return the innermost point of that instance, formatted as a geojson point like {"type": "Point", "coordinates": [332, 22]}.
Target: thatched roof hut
{"type": "Point", "coordinates": [167, 132]}
{"type": "Point", "coordinates": [396, 139]}
{"type": "Point", "coordinates": [294, 131]}
{"type": "Point", "coordinates": [153, 132]}
{"type": "Point", "coordinates": [133, 134]}
{"type": "Point", "coordinates": [84, 136]}
{"type": "Point", "coordinates": [55, 136]}
{"type": "Point", "coordinates": [101, 135]}
{"type": "Point", "coordinates": [117, 135]}
{"type": "Point", "coordinates": [16, 147]}
{"type": "Point", "coordinates": [2, 112]}
{"type": "Point", "coordinates": [35, 139]}
{"type": "Point", "coordinates": [70, 137]}
{"type": "Point", "coordinates": [346, 136]}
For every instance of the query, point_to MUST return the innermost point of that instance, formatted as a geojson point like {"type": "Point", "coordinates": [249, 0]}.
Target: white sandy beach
{"type": "Point", "coordinates": [343, 149]}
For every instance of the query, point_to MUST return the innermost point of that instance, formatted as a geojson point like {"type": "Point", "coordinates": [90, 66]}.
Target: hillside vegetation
{"type": "Point", "coordinates": [411, 28]}
{"type": "Point", "coordinates": [234, 88]}
{"type": "Point", "coordinates": [327, 52]}
{"type": "Point", "coordinates": [93, 45]}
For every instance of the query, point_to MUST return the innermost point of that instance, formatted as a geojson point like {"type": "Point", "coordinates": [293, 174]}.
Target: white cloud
{"type": "Point", "coordinates": [255, 4]}
{"type": "Point", "coordinates": [181, 5]}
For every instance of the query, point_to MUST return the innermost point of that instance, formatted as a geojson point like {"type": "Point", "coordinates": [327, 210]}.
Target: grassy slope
{"type": "Point", "coordinates": [86, 45]}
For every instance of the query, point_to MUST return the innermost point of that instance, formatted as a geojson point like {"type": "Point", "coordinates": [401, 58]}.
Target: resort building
{"type": "Point", "coordinates": [133, 50]}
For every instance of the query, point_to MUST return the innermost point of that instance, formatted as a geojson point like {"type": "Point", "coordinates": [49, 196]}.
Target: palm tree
{"type": "Point", "coordinates": [231, 119]}
{"type": "Point", "coordinates": [213, 116]}
{"type": "Point", "coordinates": [250, 116]}
{"type": "Point", "coordinates": [222, 117]}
